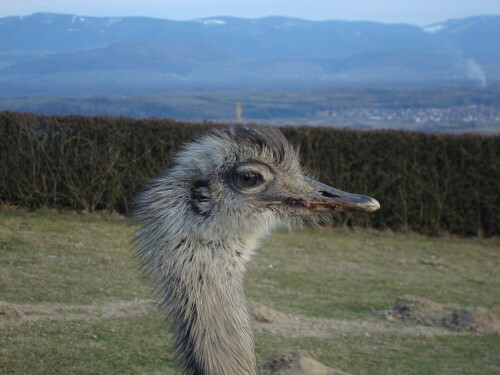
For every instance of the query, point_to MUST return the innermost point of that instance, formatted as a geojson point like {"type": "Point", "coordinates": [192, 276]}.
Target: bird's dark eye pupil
{"type": "Point", "coordinates": [248, 179]}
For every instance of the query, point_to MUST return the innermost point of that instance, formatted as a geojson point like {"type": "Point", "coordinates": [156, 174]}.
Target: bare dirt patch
{"type": "Point", "coordinates": [422, 311]}
{"type": "Point", "coordinates": [71, 312]}
{"type": "Point", "coordinates": [274, 322]}
{"type": "Point", "coordinates": [9, 309]}
{"type": "Point", "coordinates": [267, 320]}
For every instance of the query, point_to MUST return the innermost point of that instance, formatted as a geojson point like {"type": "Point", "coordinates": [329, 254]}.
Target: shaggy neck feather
{"type": "Point", "coordinates": [204, 298]}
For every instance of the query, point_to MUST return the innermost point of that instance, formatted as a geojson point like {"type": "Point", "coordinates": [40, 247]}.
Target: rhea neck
{"type": "Point", "coordinates": [202, 292]}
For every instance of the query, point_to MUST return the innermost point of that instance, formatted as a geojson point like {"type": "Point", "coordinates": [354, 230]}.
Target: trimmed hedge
{"type": "Point", "coordinates": [429, 183]}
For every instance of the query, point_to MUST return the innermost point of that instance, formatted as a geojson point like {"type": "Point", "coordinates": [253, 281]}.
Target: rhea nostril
{"type": "Point", "coordinates": [328, 194]}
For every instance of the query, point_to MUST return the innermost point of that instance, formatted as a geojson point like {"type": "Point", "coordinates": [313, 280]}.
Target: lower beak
{"type": "Point", "coordinates": [326, 199]}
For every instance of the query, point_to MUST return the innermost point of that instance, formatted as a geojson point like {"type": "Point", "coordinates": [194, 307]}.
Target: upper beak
{"type": "Point", "coordinates": [322, 198]}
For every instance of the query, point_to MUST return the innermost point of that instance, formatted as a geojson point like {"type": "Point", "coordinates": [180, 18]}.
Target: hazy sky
{"type": "Point", "coordinates": [418, 12]}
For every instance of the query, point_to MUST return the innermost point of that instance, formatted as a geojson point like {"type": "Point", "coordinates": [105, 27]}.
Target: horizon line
{"type": "Point", "coordinates": [249, 18]}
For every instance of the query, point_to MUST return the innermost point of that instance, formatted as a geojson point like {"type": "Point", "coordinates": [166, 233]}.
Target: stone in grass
{"type": "Point", "coordinates": [264, 314]}
{"type": "Point", "coordinates": [475, 319]}
{"type": "Point", "coordinates": [296, 363]}
{"type": "Point", "coordinates": [420, 310]}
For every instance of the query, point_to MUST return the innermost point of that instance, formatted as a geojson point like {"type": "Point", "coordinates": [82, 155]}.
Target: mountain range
{"type": "Point", "coordinates": [54, 54]}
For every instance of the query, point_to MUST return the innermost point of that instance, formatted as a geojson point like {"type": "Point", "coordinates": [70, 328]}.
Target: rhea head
{"type": "Point", "coordinates": [243, 179]}
{"type": "Point", "coordinates": [199, 224]}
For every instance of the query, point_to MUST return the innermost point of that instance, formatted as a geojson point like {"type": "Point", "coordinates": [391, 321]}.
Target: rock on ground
{"type": "Point", "coordinates": [264, 314]}
{"type": "Point", "coordinates": [296, 363]}
{"type": "Point", "coordinates": [423, 311]}
{"type": "Point", "coordinates": [476, 319]}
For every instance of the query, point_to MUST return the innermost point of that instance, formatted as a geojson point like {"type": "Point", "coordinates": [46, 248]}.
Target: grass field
{"type": "Point", "coordinates": [75, 304]}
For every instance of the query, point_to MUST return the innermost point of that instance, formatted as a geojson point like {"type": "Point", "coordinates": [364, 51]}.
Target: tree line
{"type": "Point", "coordinates": [429, 183]}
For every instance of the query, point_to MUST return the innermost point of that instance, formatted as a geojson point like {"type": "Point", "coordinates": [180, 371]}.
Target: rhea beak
{"type": "Point", "coordinates": [322, 198]}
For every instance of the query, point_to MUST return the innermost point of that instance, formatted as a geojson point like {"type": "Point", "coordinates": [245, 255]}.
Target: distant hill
{"type": "Point", "coordinates": [52, 54]}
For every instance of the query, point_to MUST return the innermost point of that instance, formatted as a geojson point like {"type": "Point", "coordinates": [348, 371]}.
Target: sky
{"type": "Point", "coordinates": [417, 12]}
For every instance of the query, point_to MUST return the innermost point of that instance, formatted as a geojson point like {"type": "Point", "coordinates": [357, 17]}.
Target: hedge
{"type": "Point", "coordinates": [429, 183]}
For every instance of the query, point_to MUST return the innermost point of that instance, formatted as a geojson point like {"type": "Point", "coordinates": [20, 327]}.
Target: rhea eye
{"type": "Point", "coordinates": [248, 179]}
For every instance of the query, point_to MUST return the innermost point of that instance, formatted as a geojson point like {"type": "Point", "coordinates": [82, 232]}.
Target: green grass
{"type": "Point", "coordinates": [86, 308]}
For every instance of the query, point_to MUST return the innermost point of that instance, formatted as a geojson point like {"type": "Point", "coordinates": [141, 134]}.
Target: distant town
{"type": "Point", "coordinates": [478, 118]}
{"type": "Point", "coordinates": [469, 113]}
{"type": "Point", "coordinates": [454, 110]}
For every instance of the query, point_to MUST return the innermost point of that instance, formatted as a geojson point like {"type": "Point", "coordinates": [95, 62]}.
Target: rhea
{"type": "Point", "coordinates": [199, 225]}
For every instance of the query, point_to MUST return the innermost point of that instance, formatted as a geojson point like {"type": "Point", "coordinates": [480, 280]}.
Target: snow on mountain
{"type": "Point", "coordinates": [60, 48]}
{"type": "Point", "coordinates": [212, 22]}
{"type": "Point", "coordinates": [433, 28]}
